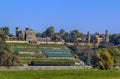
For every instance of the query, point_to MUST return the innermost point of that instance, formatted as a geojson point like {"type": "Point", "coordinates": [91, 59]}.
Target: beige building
{"type": "Point", "coordinates": [27, 34]}
{"type": "Point", "coordinates": [97, 38]}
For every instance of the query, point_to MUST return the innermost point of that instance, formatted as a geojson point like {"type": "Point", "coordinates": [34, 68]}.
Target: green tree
{"type": "Point", "coordinates": [62, 33]}
{"type": "Point", "coordinates": [84, 53]}
{"type": "Point", "coordinates": [56, 37]}
{"type": "Point", "coordinates": [115, 39]}
{"type": "Point", "coordinates": [5, 53]}
{"type": "Point", "coordinates": [49, 32]}
{"type": "Point", "coordinates": [115, 52]}
{"type": "Point", "coordinates": [74, 35]}
{"type": "Point", "coordinates": [67, 37]}
{"type": "Point", "coordinates": [104, 60]}
{"type": "Point", "coordinates": [6, 30]}
{"type": "Point", "coordinates": [38, 34]}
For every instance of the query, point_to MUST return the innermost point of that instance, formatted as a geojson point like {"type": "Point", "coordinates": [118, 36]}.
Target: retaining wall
{"type": "Point", "coordinates": [44, 67]}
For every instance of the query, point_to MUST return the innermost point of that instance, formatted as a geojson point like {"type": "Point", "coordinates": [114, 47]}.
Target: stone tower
{"type": "Point", "coordinates": [88, 37]}
{"type": "Point", "coordinates": [17, 31]}
{"type": "Point", "coordinates": [106, 36]}
{"type": "Point", "coordinates": [97, 40]}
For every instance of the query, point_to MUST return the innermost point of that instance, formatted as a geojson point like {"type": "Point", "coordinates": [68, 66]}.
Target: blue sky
{"type": "Point", "coordinates": [84, 15]}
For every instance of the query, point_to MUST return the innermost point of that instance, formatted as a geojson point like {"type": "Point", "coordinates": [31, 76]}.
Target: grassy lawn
{"type": "Point", "coordinates": [59, 74]}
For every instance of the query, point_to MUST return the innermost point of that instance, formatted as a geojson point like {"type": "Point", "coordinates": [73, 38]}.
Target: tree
{"type": "Point", "coordinates": [105, 45]}
{"type": "Point", "coordinates": [5, 54]}
{"type": "Point", "coordinates": [67, 37]}
{"type": "Point", "coordinates": [84, 53]}
{"type": "Point", "coordinates": [38, 34]}
{"type": "Point", "coordinates": [49, 32]}
{"type": "Point", "coordinates": [115, 39]}
{"type": "Point", "coordinates": [115, 52]}
{"type": "Point", "coordinates": [104, 60]}
{"type": "Point", "coordinates": [56, 37]}
{"type": "Point", "coordinates": [6, 30]}
{"type": "Point", "coordinates": [62, 33]}
{"type": "Point", "coordinates": [74, 35]}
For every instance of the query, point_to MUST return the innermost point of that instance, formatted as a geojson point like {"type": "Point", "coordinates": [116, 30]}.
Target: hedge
{"type": "Point", "coordinates": [52, 63]}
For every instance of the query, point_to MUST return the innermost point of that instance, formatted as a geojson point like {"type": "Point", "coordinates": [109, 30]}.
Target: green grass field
{"type": "Point", "coordinates": [59, 74]}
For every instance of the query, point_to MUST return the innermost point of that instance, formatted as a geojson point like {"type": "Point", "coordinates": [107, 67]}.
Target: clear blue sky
{"type": "Point", "coordinates": [84, 15]}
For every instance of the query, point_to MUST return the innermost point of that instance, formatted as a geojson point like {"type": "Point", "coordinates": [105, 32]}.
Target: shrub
{"type": "Point", "coordinates": [52, 63]}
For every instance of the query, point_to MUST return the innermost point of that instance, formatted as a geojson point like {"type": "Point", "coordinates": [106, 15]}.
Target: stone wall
{"type": "Point", "coordinates": [37, 42]}
{"type": "Point", "coordinates": [44, 67]}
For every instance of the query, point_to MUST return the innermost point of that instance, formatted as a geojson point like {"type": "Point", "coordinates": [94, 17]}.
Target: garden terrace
{"type": "Point", "coordinates": [25, 47]}
{"type": "Point", "coordinates": [58, 55]}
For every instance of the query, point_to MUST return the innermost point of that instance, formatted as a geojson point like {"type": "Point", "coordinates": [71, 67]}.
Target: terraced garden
{"type": "Point", "coordinates": [28, 52]}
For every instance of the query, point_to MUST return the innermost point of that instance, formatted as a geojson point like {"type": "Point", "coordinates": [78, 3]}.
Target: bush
{"type": "Point", "coordinates": [52, 63]}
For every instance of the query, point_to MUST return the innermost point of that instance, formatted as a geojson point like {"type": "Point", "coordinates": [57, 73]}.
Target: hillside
{"type": "Point", "coordinates": [27, 53]}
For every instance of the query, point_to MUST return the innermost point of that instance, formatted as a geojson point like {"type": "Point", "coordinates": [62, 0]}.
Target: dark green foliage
{"type": "Point", "coordinates": [62, 33]}
{"type": "Point", "coordinates": [38, 34]}
{"type": "Point", "coordinates": [52, 63]}
{"type": "Point", "coordinates": [49, 32]}
{"type": "Point", "coordinates": [115, 39]}
{"type": "Point", "coordinates": [68, 37]}
{"type": "Point", "coordinates": [56, 37]}
{"type": "Point", "coordinates": [6, 30]}
{"type": "Point", "coordinates": [105, 45]}
{"type": "Point", "coordinates": [72, 37]}
{"type": "Point", "coordinates": [115, 52]}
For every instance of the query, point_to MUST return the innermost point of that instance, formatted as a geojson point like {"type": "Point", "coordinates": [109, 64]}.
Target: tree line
{"type": "Point", "coordinates": [61, 35]}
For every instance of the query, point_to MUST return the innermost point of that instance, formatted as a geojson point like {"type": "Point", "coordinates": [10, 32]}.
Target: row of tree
{"type": "Point", "coordinates": [61, 35]}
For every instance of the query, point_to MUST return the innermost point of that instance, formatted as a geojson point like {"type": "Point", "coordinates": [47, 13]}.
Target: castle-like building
{"type": "Point", "coordinates": [27, 34]}
{"type": "Point", "coordinates": [97, 38]}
